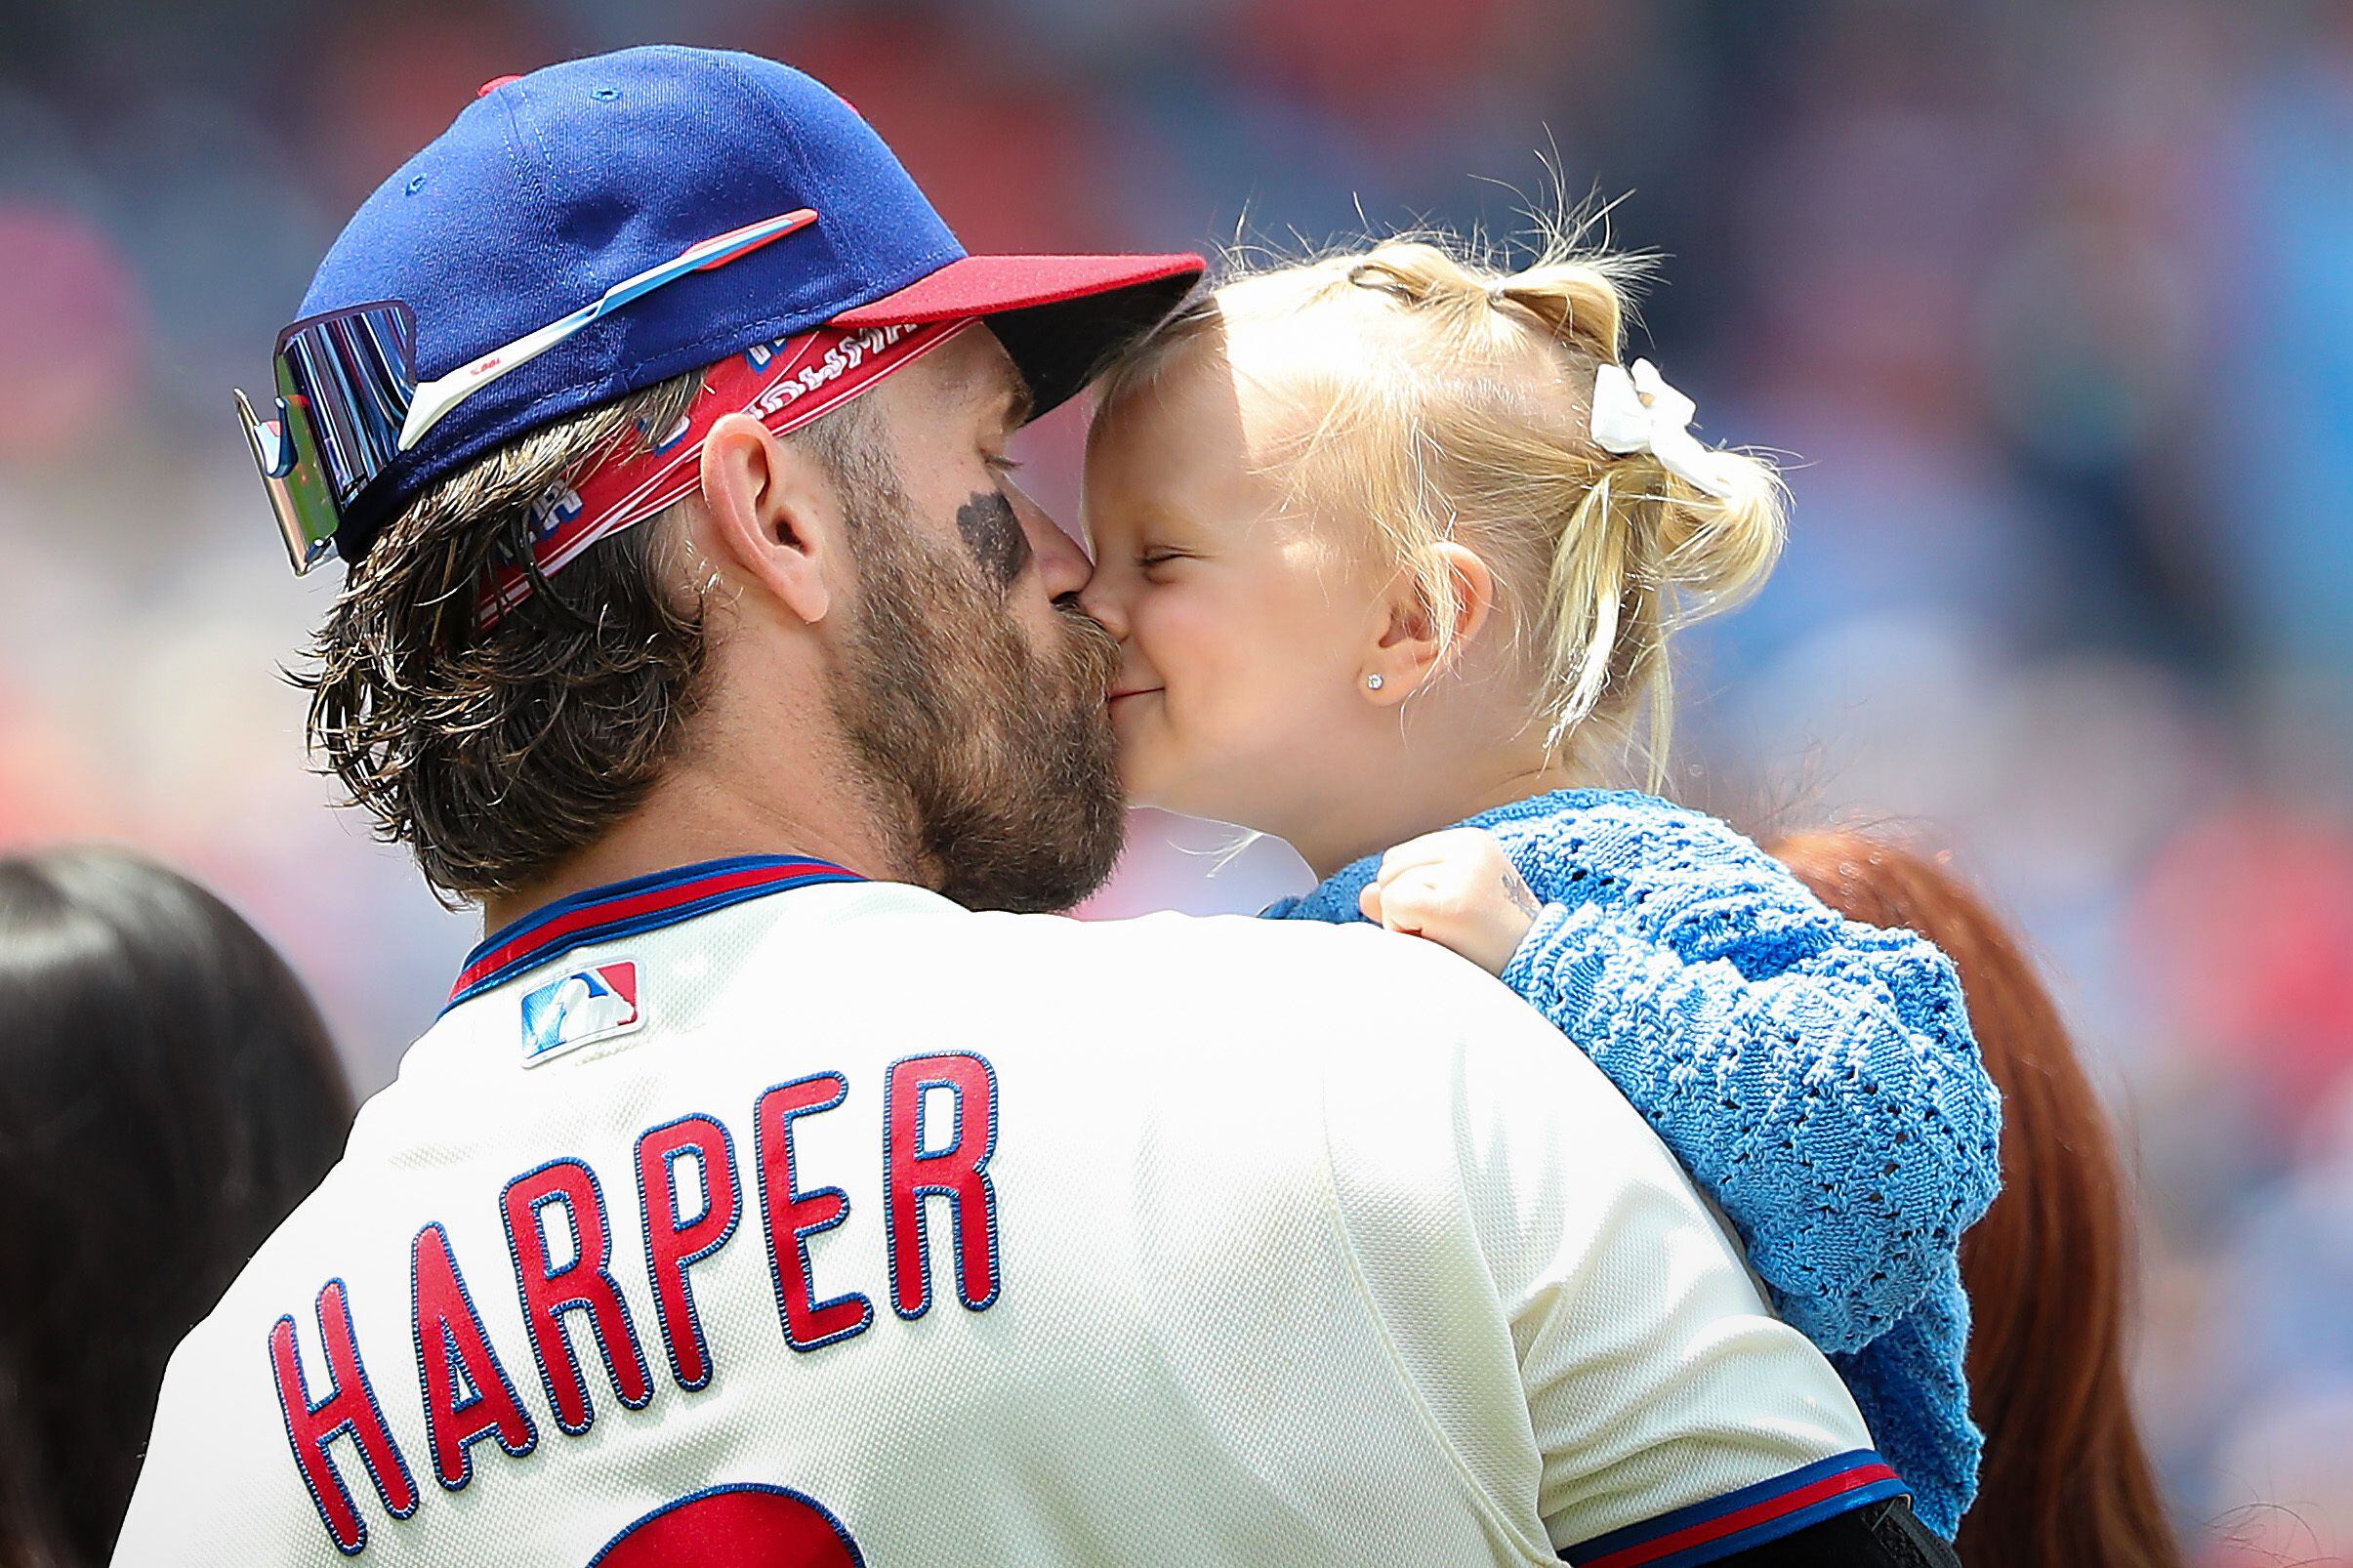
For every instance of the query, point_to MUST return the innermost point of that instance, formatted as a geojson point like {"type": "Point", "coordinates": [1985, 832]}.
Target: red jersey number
{"type": "Point", "coordinates": [742, 1526]}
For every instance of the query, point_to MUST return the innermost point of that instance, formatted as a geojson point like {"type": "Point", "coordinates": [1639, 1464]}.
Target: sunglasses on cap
{"type": "Point", "coordinates": [348, 400]}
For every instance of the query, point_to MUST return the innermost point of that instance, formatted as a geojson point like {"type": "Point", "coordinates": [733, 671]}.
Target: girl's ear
{"type": "Point", "coordinates": [1408, 653]}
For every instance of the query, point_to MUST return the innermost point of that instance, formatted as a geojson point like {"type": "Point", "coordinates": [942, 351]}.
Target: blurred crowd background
{"type": "Point", "coordinates": [2050, 305]}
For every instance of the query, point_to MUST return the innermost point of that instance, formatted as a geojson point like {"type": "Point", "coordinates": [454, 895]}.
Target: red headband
{"type": "Point", "coordinates": [784, 383]}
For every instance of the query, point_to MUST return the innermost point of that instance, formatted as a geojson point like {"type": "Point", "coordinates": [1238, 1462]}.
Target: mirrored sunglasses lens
{"type": "Point", "coordinates": [353, 374]}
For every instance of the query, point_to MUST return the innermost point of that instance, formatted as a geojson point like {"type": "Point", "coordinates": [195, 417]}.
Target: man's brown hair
{"type": "Point", "coordinates": [494, 754]}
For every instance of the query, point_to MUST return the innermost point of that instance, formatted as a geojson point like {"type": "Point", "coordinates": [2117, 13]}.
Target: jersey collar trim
{"type": "Point", "coordinates": [630, 908]}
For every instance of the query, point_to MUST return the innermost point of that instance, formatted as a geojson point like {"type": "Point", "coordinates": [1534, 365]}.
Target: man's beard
{"type": "Point", "coordinates": [993, 757]}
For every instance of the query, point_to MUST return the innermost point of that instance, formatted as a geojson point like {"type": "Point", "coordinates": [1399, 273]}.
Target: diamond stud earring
{"type": "Point", "coordinates": [1373, 683]}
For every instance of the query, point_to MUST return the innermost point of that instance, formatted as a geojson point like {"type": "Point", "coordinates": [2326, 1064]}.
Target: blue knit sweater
{"type": "Point", "coordinates": [1816, 1076]}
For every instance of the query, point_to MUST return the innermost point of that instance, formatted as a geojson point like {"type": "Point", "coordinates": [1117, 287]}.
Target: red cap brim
{"type": "Point", "coordinates": [1062, 318]}
{"type": "Point", "coordinates": [984, 285]}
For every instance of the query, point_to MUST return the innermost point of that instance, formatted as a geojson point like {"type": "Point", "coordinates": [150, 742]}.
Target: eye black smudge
{"type": "Point", "coordinates": [993, 534]}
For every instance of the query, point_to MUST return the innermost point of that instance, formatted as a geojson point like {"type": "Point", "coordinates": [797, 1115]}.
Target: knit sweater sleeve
{"type": "Point", "coordinates": [1817, 1076]}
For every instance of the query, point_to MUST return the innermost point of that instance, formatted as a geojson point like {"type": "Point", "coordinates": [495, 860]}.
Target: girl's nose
{"type": "Point", "coordinates": [1097, 600]}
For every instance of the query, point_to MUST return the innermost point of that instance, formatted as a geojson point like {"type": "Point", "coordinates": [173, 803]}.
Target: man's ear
{"type": "Point", "coordinates": [1407, 651]}
{"type": "Point", "coordinates": [775, 519]}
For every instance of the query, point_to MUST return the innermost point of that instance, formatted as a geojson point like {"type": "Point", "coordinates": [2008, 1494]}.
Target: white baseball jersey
{"type": "Point", "coordinates": [755, 1214]}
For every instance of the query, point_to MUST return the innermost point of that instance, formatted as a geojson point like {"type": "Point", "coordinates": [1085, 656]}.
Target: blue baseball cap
{"type": "Point", "coordinates": [550, 189]}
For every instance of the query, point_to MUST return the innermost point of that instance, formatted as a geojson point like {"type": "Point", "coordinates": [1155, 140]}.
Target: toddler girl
{"type": "Point", "coordinates": [1393, 541]}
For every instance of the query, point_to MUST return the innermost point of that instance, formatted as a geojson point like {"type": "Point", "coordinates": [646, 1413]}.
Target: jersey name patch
{"type": "Point", "coordinates": [584, 1006]}
{"type": "Point", "coordinates": [569, 1248]}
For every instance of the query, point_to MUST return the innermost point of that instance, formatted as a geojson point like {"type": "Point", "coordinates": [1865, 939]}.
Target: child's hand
{"type": "Point", "coordinates": [1456, 888]}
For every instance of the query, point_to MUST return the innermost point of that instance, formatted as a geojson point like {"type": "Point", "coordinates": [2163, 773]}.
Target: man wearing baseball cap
{"type": "Point", "coordinates": [780, 1185]}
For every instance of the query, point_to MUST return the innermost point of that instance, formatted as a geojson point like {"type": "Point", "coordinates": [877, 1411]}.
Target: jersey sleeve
{"type": "Point", "coordinates": [1818, 1077]}
{"type": "Point", "coordinates": [1573, 1321]}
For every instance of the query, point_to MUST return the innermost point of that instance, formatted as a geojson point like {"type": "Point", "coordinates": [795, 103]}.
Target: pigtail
{"type": "Point", "coordinates": [1644, 555]}
{"type": "Point", "coordinates": [1642, 549]}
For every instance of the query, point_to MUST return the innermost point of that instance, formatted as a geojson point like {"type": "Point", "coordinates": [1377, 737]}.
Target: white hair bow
{"type": "Point", "coordinates": [1640, 413]}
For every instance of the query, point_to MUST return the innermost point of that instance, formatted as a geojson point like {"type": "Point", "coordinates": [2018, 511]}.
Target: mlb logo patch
{"type": "Point", "coordinates": [585, 1005]}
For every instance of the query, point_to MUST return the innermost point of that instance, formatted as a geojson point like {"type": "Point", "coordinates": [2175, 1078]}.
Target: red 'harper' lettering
{"type": "Point", "coordinates": [349, 1407]}
{"type": "Point", "coordinates": [916, 1166]}
{"type": "Point", "coordinates": [584, 1282]}
{"type": "Point", "coordinates": [467, 1394]}
{"type": "Point", "coordinates": [673, 1242]}
{"type": "Point", "coordinates": [793, 1217]}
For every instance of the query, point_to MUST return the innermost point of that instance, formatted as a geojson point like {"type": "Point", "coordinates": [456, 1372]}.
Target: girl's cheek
{"type": "Point", "coordinates": [1170, 629]}
{"type": "Point", "coordinates": [1245, 666]}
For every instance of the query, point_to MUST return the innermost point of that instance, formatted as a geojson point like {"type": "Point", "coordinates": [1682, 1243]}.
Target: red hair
{"type": "Point", "coordinates": [2067, 1481]}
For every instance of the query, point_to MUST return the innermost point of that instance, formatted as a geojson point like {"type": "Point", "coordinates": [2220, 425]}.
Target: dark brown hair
{"type": "Point", "coordinates": [167, 1095]}
{"type": "Point", "coordinates": [2067, 1481]}
{"type": "Point", "coordinates": [495, 755]}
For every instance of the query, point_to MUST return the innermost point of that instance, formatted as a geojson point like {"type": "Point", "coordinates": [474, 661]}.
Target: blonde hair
{"type": "Point", "coordinates": [1442, 399]}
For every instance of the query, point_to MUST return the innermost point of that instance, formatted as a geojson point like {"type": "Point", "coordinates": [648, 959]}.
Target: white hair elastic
{"type": "Point", "coordinates": [1638, 412]}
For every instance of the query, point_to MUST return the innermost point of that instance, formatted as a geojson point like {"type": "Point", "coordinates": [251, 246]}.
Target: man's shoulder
{"type": "Point", "coordinates": [1401, 1043]}
{"type": "Point", "coordinates": [1227, 962]}
{"type": "Point", "coordinates": [283, 1277]}
{"type": "Point", "coordinates": [1325, 1004]}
